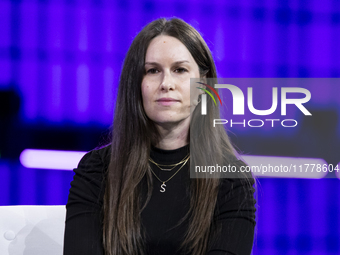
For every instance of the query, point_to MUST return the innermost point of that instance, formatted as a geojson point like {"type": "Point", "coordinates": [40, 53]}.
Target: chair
{"type": "Point", "coordinates": [32, 230]}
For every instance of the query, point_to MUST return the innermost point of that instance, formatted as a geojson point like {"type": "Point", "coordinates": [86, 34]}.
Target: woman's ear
{"type": "Point", "coordinates": [203, 79]}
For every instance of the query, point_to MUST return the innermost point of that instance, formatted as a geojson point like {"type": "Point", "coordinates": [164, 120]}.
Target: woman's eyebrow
{"type": "Point", "coordinates": [151, 63]}
{"type": "Point", "coordinates": [176, 63]}
{"type": "Point", "coordinates": [180, 62]}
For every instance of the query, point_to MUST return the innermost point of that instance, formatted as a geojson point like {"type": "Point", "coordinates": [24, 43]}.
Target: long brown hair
{"type": "Point", "coordinates": [132, 135]}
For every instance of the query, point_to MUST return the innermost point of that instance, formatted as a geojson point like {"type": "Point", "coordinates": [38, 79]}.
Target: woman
{"type": "Point", "coordinates": [136, 195]}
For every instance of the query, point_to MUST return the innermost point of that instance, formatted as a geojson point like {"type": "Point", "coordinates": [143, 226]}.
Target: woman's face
{"type": "Point", "coordinates": [166, 83]}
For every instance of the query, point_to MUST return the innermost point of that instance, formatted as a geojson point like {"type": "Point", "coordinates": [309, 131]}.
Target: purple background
{"type": "Point", "coordinates": [59, 68]}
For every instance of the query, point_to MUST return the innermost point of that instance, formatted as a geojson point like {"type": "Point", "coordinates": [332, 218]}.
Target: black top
{"type": "Point", "coordinates": [83, 230]}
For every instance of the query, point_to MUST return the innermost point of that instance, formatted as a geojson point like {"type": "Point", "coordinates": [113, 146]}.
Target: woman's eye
{"type": "Point", "coordinates": [181, 70]}
{"type": "Point", "coordinates": [152, 70]}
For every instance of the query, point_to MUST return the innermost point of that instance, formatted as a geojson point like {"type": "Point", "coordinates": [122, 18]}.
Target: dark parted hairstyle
{"type": "Point", "coordinates": [132, 135]}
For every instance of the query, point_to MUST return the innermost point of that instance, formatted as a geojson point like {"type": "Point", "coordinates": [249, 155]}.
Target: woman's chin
{"type": "Point", "coordinates": [171, 121]}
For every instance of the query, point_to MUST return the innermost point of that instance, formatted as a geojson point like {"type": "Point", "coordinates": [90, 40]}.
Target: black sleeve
{"type": "Point", "coordinates": [83, 229]}
{"type": "Point", "coordinates": [235, 218]}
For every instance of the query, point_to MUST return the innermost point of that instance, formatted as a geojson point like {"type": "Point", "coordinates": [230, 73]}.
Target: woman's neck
{"type": "Point", "coordinates": [173, 136]}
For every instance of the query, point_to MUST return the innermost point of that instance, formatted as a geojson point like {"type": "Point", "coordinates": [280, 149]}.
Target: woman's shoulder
{"type": "Point", "coordinates": [235, 169]}
{"type": "Point", "coordinates": [96, 156]}
{"type": "Point", "coordinates": [104, 152]}
{"type": "Point", "coordinates": [94, 163]}
{"type": "Point", "coordinates": [236, 196]}
{"type": "Point", "coordinates": [239, 183]}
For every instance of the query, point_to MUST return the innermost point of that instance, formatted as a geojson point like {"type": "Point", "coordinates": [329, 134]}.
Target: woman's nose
{"type": "Point", "coordinates": [167, 82]}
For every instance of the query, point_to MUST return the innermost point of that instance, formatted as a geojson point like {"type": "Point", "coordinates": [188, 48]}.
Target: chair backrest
{"type": "Point", "coordinates": [32, 230]}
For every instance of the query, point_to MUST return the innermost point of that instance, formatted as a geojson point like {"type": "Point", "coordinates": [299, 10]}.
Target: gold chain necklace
{"type": "Point", "coordinates": [163, 182]}
{"type": "Point", "coordinates": [174, 165]}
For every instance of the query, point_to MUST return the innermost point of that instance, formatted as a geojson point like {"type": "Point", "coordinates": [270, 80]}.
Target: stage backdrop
{"type": "Point", "coordinates": [59, 69]}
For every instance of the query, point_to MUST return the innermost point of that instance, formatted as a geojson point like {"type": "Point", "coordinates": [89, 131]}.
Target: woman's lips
{"type": "Point", "coordinates": [167, 101]}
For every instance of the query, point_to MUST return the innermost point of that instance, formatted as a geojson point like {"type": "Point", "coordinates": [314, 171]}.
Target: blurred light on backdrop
{"type": "Point", "coordinates": [50, 159]}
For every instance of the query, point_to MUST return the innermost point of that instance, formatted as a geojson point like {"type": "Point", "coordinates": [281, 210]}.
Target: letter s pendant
{"type": "Point", "coordinates": [163, 187]}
